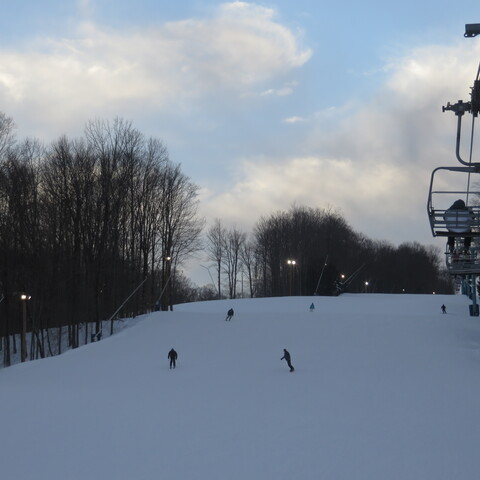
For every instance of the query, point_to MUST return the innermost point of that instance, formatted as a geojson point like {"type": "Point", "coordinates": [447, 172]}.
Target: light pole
{"type": "Point", "coordinates": [291, 264]}
{"type": "Point", "coordinates": [366, 287]}
{"type": "Point", "coordinates": [23, 342]}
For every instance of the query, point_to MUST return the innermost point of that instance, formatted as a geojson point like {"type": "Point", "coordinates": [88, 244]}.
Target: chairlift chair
{"type": "Point", "coordinates": [466, 224]}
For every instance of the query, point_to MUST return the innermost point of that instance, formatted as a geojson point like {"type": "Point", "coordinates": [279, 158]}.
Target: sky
{"type": "Point", "coordinates": [264, 104]}
{"type": "Point", "coordinates": [384, 387]}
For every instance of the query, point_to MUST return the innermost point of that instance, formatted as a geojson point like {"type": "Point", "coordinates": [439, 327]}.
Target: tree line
{"type": "Point", "coordinates": [307, 251]}
{"type": "Point", "coordinates": [83, 224]}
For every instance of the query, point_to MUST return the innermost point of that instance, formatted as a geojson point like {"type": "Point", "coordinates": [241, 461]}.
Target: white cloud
{"type": "Point", "coordinates": [295, 119]}
{"type": "Point", "coordinates": [280, 92]}
{"type": "Point", "coordinates": [283, 91]}
{"type": "Point", "coordinates": [99, 71]}
{"type": "Point", "coordinates": [358, 189]}
{"type": "Point", "coordinates": [373, 164]}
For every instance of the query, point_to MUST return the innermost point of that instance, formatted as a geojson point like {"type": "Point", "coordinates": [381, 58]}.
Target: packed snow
{"type": "Point", "coordinates": [384, 387]}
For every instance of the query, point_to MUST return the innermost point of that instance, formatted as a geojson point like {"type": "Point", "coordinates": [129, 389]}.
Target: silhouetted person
{"type": "Point", "coordinates": [286, 356]}
{"type": "Point", "coordinates": [172, 355]}
{"type": "Point", "coordinates": [444, 309]}
{"type": "Point", "coordinates": [459, 219]}
{"type": "Point", "coordinates": [229, 314]}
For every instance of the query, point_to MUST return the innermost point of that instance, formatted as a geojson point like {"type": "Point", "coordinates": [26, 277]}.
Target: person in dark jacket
{"type": "Point", "coordinates": [458, 220]}
{"type": "Point", "coordinates": [229, 314]}
{"type": "Point", "coordinates": [172, 355]}
{"type": "Point", "coordinates": [444, 308]}
{"type": "Point", "coordinates": [286, 356]}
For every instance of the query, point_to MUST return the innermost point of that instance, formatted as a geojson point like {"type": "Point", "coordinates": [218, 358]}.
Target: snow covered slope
{"type": "Point", "coordinates": [385, 388]}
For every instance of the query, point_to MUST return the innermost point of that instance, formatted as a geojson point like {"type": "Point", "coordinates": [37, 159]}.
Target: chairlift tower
{"type": "Point", "coordinates": [450, 185]}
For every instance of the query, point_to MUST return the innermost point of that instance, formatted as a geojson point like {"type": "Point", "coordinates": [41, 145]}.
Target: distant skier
{"type": "Point", "coordinates": [444, 309]}
{"type": "Point", "coordinates": [229, 315]}
{"type": "Point", "coordinates": [286, 356]}
{"type": "Point", "coordinates": [172, 356]}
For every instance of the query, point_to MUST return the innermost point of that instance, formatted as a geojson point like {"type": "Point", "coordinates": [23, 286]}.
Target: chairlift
{"type": "Point", "coordinates": [460, 226]}
{"type": "Point", "coordinates": [443, 192]}
{"type": "Point", "coordinates": [459, 221]}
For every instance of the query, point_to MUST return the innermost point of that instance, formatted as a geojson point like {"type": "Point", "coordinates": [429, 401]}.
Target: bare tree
{"type": "Point", "coordinates": [250, 264]}
{"type": "Point", "coordinates": [233, 246]}
{"type": "Point", "coordinates": [7, 139]}
{"type": "Point", "coordinates": [216, 240]}
{"type": "Point", "coordinates": [179, 227]}
{"type": "Point", "coordinates": [20, 237]}
{"type": "Point", "coordinates": [83, 223]}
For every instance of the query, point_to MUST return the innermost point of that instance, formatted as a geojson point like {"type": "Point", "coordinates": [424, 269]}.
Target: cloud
{"type": "Point", "coordinates": [295, 120]}
{"type": "Point", "coordinates": [372, 162]}
{"type": "Point", "coordinates": [99, 71]}
{"type": "Point", "coordinates": [280, 92]}
{"type": "Point", "coordinates": [362, 192]}
{"type": "Point", "coordinates": [242, 46]}
{"type": "Point", "coordinates": [403, 123]}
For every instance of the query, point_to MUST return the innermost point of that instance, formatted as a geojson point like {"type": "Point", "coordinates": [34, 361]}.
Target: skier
{"type": "Point", "coordinates": [444, 309]}
{"type": "Point", "coordinates": [286, 356]}
{"type": "Point", "coordinates": [229, 315]}
{"type": "Point", "coordinates": [172, 355]}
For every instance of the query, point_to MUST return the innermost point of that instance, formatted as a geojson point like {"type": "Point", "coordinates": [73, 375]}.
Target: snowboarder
{"type": "Point", "coordinates": [286, 356]}
{"type": "Point", "coordinates": [444, 309]}
{"type": "Point", "coordinates": [172, 356]}
{"type": "Point", "coordinates": [229, 314]}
